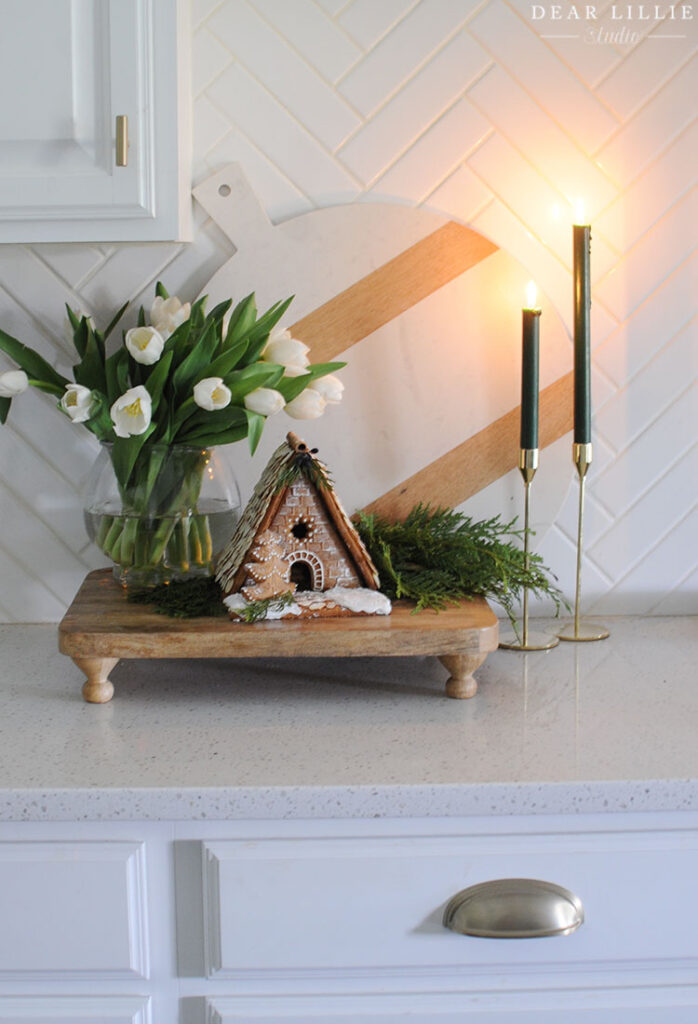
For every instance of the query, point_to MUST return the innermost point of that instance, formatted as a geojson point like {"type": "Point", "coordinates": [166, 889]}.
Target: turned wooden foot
{"type": "Point", "coordinates": [462, 683]}
{"type": "Point", "coordinates": [97, 688]}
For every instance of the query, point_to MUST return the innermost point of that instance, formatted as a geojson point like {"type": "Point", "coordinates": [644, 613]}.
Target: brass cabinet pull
{"type": "Point", "coordinates": [121, 140]}
{"type": "Point", "coordinates": [514, 908]}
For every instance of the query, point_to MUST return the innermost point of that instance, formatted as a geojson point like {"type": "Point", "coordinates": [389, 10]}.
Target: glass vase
{"type": "Point", "coordinates": [170, 521]}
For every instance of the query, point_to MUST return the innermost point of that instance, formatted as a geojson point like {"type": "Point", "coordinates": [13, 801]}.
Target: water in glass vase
{"type": "Point", "coordinates": [156, 549]}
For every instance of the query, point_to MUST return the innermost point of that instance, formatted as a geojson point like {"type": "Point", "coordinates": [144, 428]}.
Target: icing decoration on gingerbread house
{"type": "Point", "coordinates": [295, 552]}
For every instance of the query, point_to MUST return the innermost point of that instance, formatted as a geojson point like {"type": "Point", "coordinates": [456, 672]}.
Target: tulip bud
{"type": "Point", "coordinates": [266, 401]}
{"type": "Point", "coordinates": [306, 406]}
{"type": "Point", "coordinates": [13, 382]}
{"type": "Point", "coordinates": [211, 394]}
{"type": "Point", "coordinates": [330, 387]}
{"type": "Point", "coordinates": [167, 314]}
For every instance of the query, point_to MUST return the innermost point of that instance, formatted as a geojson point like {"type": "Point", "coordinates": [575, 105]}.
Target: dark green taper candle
{"type": "Point", "coordinates": [529, 374]}
{"type": "Point", "coordinates": [582, 308]}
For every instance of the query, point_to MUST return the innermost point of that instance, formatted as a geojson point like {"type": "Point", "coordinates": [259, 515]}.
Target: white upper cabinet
{"type": "Point", "coordinates": [69, 71]}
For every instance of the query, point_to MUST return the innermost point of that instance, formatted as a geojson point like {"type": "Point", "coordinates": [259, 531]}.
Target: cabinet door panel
{"type": "Point", "coordinates": [72, 910]}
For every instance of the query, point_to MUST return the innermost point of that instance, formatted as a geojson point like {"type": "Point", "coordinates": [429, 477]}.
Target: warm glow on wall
{"type": "Point", "coordinates": [579, 211]}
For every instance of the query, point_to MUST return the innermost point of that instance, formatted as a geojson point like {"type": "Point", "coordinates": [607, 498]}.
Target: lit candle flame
{"type": "Point", "coordinates": [531, 295]}
{"type": "Point", "coordinates": [579, 212]}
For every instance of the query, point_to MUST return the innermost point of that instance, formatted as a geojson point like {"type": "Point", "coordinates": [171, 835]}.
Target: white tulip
{"type": "Point", "coordinates": [131, 413]}
{"type": "Point", "coordinates": [13, 382]}
{"type": "Point", "coordinates": [266, 401]}
{"type": "Point", "coordinates": [306, 406]}
{"type": "Point", "coordinates": [211, 394]}
{"type": "Point", "coordinates": [285, 350]}
{"type": "Point", "coordinates": [77, 402]}
{"type": "Point", "coordinates": [293, 370]}
{"type": "Point", "coordinates": [167, 314]}
{"type": "Point", "coordinates": [145, 344]}
{"type": "Point", "coordinates": [330, 387]}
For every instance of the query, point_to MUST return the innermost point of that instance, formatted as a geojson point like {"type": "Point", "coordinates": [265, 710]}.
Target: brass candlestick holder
{"type": "Point", "coordinates": [529, 641]}
{"type": "Point", "coordinates": [579, 630]}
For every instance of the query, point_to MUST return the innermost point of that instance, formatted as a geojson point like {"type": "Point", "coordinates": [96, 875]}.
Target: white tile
{"type": "Point", "coordinates": [332, 7]}
{"type": "Point", "coordinates": [367, 21]}
{"type": "Point", "coordinates": [279, 196]}
{"type": "Point", "coordinates": [35, 546]}
{"type": "Point", "coordinates": [654, 257]}
{"type": "Point", "coordinates": [209, 126]}
{"type": "Point", "coordinates": [203, 9]}
{"type": "Point", "coordinates": [394, 60]}
{"type": "Point", "coordinates": [589, 62]}
{"type": "Point", "coordinates": [596, 518]}
{"type": "Point", "coordinates": [71, 262]}
{"type": "Point", "coordinates": [401, 122]}
{"type": "Point", "coordinates": [630, 474]}
{"type": "Point", "coordinates": [525, 191]}
{"type": "Point", "coordinates": [55, 500]}
{"type": "Point", "coordinates": [628, 348]}
{"type": "Point", "coordinates": [537, 136]}
{"type": "Point", "coordinates": [313, 34]}
{"type": "Point", "coordinates": [647, 133]}
{"type": "Point", "coordinates": [28, 599]}
{"type": "Point", "coordinates": [435, 154]}
{"type": "Point", "coordinates": [642, 589]}
{"type": "Point", "coordinates": [543, 75]}
{"type": "Point", "coordinates": [265, 55]}
{"type": "Point", "coordinates": [642, 74]}
{"type": "Point", "coordinates": [635, 407]}
{"type": "Point", "coordinates": [461, 196]}
{"type": "Point", "coordinates": [639, 206]}
{"type": "Point", "coordinates": [265, 122]}
{"type": "Point", "coordinates": [208, 58]}
{"type": "Point", "coordinates": [682, 599]}
{"type": "Point", "coordinates": [123, 274]}
{"type": "Point", "coordinates": [634, 536]}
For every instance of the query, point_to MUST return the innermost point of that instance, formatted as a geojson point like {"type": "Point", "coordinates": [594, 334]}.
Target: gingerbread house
{"type": "Point", "coordinates": [294, 538]}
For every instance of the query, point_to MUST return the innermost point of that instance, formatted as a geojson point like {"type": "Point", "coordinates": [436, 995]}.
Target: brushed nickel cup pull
{"type": "Point", "coordinates": [514, 908]}
{"type": "Point", "coordinates": [121, 140]}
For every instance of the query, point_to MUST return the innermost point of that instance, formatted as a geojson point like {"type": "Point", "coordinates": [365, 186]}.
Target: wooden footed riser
{"type": "Point", "coordinates": [101, 627]}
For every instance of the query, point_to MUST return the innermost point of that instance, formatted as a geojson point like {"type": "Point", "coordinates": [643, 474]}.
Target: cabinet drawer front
{"type": "Point", "coordinates": [351, 904]}
{"type": "Point", "coordinates": [72, 909]}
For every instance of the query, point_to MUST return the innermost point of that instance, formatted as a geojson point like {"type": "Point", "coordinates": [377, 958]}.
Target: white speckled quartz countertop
{"type": "Point", "coordinates": [597, 727]}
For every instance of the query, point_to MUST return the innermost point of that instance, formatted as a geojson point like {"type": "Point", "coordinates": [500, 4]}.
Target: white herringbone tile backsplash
{"type": "Point", "coordinates": [463, 107]}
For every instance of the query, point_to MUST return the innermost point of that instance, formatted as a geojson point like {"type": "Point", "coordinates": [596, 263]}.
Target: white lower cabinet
{"type": "Point", "coordinates": [336, 922]}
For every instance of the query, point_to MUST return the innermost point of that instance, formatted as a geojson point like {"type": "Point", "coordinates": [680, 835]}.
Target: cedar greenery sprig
{"type": "Point", "coordinates": [438, 556]}
{"type": "Point", "coordinates": [257, 610]}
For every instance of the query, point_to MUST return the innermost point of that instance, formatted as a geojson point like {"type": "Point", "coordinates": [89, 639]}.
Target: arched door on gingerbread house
{"type": "Point", "coordinates": [306, 570]}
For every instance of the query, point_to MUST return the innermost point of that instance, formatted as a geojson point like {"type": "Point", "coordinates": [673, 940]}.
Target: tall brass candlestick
{"type": "Point", "coordinates": [578, 630]}
{"type": "Point", "coordinates": [528, 464]}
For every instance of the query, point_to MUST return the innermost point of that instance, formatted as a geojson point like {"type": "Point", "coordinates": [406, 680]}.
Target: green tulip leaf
{"type": "Point", "coordinates": [255, 426]}
{"type": "Point", "coordinates": [34, 365]}
{"type": "Point", "coordinates": [5, 404]}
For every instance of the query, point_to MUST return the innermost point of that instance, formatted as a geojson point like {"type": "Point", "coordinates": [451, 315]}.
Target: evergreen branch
{"type": "Point", "coordinates": [438, 557]}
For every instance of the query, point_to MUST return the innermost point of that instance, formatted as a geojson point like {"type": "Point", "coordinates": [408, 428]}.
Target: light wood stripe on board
{"type": "Point", "coordinates": [480, 460]}
{"type": "Point", "coordinates": [387, 292]}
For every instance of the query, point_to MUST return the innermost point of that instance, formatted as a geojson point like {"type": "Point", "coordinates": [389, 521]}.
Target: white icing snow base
{"type": "Point", "coordinates": [355, 599]}
{"type": "Point", "coordinates": [359, 599]}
